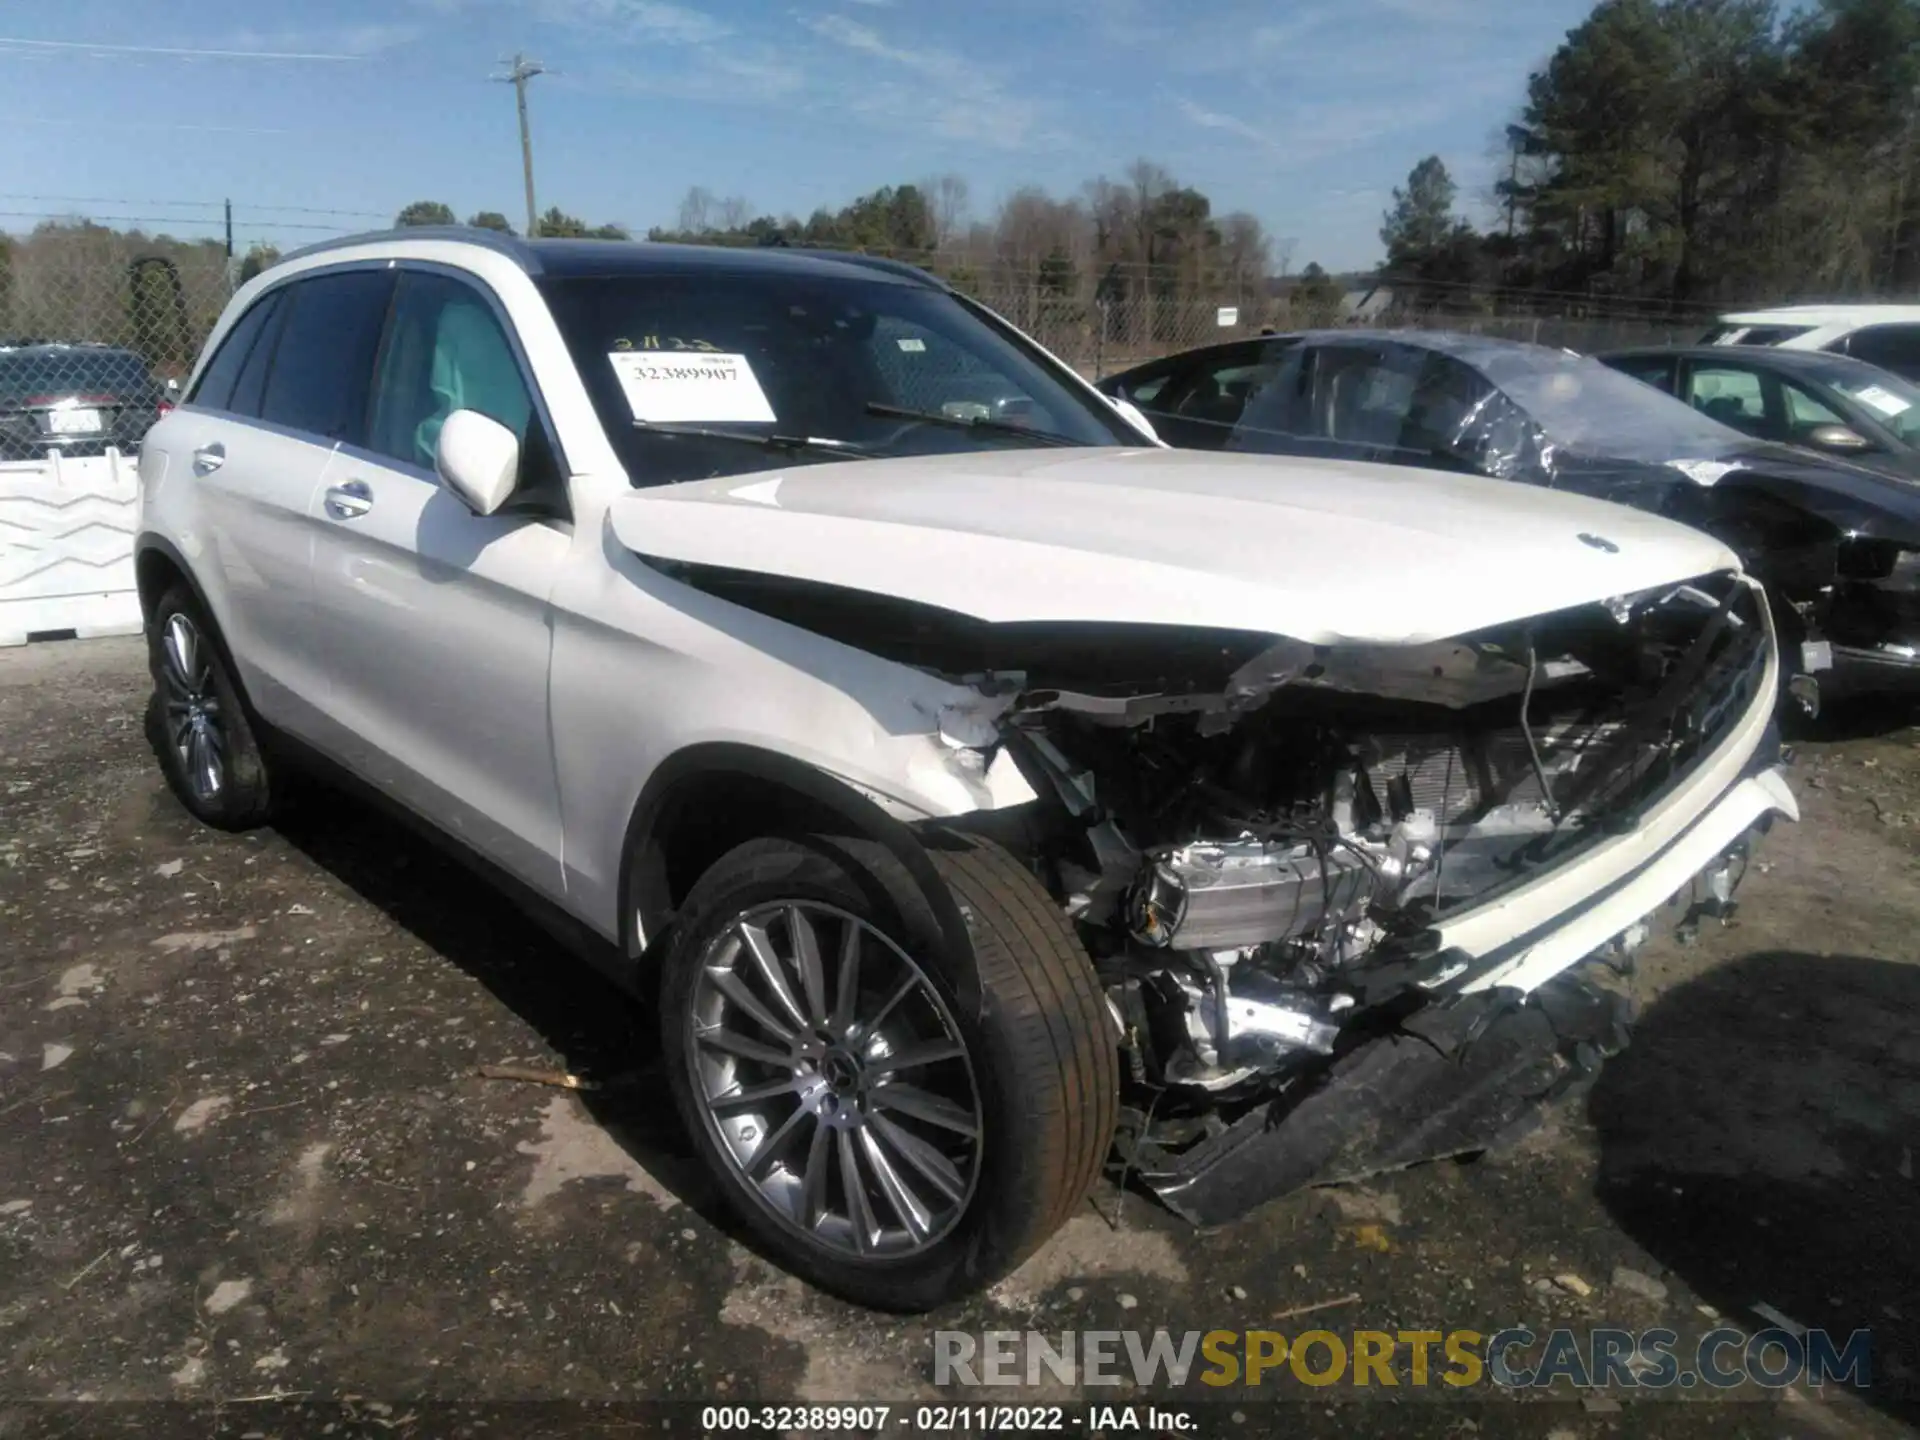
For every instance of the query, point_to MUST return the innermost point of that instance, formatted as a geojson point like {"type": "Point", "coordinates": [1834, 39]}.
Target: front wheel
{"type": "Point", "coordinates": [878, 1136]}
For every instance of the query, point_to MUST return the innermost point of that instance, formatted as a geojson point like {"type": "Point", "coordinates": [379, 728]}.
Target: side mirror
{"type": "Point", "coordinates": [1134, 416]}
{"type": "Point", "coordinates": [1837, 437]}
{"type": "Point", "coordinates": [478, 459]}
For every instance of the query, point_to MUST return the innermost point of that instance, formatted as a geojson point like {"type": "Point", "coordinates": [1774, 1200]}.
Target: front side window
{"type": "Point", "coordinates": [446, 351]}
{"type": "Point", "coordinates": [1805, 410]}
{"type": "Point", "coordinates": [695, 375]}
{"type": "Point", "coordinates": [322, 366]}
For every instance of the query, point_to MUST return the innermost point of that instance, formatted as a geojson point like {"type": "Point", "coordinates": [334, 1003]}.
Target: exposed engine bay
{"type": "Point", "coordinates": [1256, 871]}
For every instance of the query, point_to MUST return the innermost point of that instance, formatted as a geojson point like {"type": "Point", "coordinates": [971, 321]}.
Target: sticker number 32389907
{"type": "Point", "coordinates": [690, 387]}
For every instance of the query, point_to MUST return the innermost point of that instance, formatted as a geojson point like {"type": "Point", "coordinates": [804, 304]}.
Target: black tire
{"type": "Point", "coordinates": [242, 798]}
{"type": "Point", "coordinates": [1042, 1043]}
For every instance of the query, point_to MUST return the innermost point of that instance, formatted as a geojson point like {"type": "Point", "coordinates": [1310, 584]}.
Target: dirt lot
{"type": "Point", "coordinates": [244, 1152]}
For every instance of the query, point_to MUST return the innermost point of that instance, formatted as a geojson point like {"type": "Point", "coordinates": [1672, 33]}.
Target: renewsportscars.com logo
{"type": "Point", "coordinates": [1516, 1358]}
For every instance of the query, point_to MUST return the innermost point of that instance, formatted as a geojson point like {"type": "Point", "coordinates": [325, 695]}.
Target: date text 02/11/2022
{"type": "Point", "coordinates": [943, 1419]}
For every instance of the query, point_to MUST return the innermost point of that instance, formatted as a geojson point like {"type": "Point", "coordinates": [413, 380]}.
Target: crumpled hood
{"type": "Point", "coordinates": [1320, 551]}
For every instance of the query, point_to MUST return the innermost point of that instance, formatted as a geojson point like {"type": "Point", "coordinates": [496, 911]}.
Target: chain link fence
{"type": "Point", "coordinates": [1105, 337]}
{"type": "Point", "coordinates": [97, 327]}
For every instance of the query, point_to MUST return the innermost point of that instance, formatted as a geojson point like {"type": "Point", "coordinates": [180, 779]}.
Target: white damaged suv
{"type": "Point", "coordinates": [984, 793]}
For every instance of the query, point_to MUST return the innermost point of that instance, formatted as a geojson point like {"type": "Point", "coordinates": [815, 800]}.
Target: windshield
{"type": "Point", "coordinates": [682, 367]}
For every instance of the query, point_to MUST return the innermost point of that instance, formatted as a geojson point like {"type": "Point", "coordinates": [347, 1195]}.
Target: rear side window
{"type": "Point", "coordinates": [1144, 392]}
{"type": "Point", "coordinates": [323, 365]}
{"type": "Point", "coordinates": [1891, 347]}
{"type": "Point", "coordinates": [1732, 395]}
{"type": "Point", "coordinates": [1656, 370]}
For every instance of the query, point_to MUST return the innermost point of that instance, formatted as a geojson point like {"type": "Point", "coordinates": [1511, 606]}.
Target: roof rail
{"type": "Point", "coordinates": [511, 246]}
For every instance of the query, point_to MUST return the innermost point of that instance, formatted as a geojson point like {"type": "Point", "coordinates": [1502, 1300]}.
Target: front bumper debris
{"type": "Point", "coordinates": [1461, 1077]}
{"type": "Point", "coordinates": [1468, 1072]}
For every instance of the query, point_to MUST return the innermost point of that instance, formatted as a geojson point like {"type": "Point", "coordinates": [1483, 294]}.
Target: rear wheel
{"type": "Point", "coordinates": [198, 722]}
{"type": "Point", "coordinates": [873, 1133]}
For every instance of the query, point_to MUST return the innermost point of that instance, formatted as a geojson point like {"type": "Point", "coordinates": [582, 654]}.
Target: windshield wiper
{"type": "Point", "coordinates": [955, 422]}
{"type": "Point", "coordinates": [763, 442]}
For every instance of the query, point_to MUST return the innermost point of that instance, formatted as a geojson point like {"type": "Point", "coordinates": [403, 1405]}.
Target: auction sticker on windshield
{"type": "Point", "coordinates": [698, 387]}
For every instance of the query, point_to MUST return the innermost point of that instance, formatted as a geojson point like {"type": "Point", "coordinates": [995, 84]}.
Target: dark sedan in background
{"type": "Point", "coordinates": [77, 400]}
{"type": "Point", "coordinates": [1830, 403]}
{"type": "Point", "coordinates": [1837, 543]}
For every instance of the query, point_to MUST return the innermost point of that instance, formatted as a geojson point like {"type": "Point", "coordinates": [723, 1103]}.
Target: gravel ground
{"type": "Point", "coordinates": [244, 1151]}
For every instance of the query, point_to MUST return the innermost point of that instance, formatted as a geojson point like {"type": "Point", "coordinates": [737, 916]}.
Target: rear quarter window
{"type": "Point", "coordinates": [214, 389]}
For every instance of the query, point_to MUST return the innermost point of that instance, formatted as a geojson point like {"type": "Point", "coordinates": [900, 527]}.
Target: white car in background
{"type": "Point", "coordinates": [979, 795]}
{"type": "Point", "coordinates": [1883, 335]}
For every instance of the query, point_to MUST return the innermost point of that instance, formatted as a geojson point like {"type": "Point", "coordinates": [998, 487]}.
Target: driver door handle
{"type": "Point", "coordinates": [209, 458]}
{"type": "Point", "coordinates": [349, 501]}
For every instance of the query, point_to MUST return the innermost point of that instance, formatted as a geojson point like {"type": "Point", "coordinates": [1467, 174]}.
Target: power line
{"type": "Point", "coordinates": [182, 52]}
{"type": "Point", "coordinates": [195, 204]}
{"type": "Point", "coordinates": [211, 220]}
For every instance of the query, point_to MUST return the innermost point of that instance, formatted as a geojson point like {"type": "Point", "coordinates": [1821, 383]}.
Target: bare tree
{"type": "Point", "coordinates": [1246, 253]}
{"type": "Point", "coordinates": [735, 212]}
{"type": "Point", "coordinates": [696, 211]}
{"type": "Point", "coordinates": [1151, 184]}
{"type": "Point", "coordinates": [951, 197]}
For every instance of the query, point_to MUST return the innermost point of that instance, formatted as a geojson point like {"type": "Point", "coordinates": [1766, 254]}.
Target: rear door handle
{"type": "Point", "coordinates": [209, 458]}
{"type": "Point", "coordinates": [349, 501]}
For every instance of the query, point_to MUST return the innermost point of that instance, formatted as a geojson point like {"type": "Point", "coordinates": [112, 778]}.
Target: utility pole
{"type": "Point", "coordinates": [519, 71]}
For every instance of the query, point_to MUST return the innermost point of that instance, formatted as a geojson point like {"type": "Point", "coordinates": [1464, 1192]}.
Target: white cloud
{"type": "Point", "coordinates": [1217, 120]}
{"type": "Point", "coordinates": [943, 91]}
{"type": "Point", "coordinates": [658, 20]}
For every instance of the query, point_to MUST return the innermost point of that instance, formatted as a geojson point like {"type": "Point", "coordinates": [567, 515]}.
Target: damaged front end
{"type": "Point", "coordinates": [1339, 897]}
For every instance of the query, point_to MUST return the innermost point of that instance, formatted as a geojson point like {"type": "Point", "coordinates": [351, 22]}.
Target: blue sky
{"type": "Point", "coordinates": [1305, 113]}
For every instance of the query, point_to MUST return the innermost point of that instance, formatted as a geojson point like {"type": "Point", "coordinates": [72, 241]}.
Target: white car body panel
{"type": "Point", "coordinates": [433, 627]}
{"type": "Point", "coordinates": [519, 682]}
{"type": "Point", "coordinates": [644, 667]}
{"type": "Point", "coordinates": [256, 547]}
{"type": "Point", "coordinates": [1829, 323]}
{"type": "Point", "coordinates": [1289, 547]}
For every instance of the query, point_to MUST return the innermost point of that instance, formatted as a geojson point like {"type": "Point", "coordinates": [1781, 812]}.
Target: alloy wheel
{"type": "Point", "coordinates": [832, 1074]}
{"type": "Point", "coordinates": [194, 721]}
